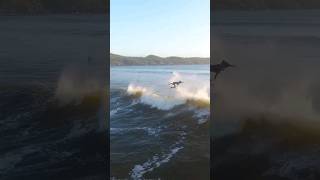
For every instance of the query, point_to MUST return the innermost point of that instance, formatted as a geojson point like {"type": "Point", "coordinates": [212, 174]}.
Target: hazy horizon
{"type": "Point", "coordinates": [160, 56]}
{"type": "Point", "coordinates": [163, 28]}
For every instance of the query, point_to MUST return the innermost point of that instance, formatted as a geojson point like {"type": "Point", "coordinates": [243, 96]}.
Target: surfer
{"type": "Point", "coordinates": [217, 68]}
{"type": "Point", "coordinates": [175, 84]}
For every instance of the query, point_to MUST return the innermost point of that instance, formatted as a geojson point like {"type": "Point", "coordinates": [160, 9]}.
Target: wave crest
{"type": "Point", "coordinates": [135, 91]}
{"type": "Point", "coordinates": [193, 92]}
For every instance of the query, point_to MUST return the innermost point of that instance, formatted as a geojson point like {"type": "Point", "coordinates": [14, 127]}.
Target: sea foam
{"type": "Point", "coordinates": [193, 91]}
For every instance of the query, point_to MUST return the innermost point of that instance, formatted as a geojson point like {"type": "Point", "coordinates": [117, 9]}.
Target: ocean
{"type": "Point", "coordinates": [158, 132]}
{"type": "Point", "coordinates": [266, 110]}
{"type": "Point", "coordinates": [52, 99]}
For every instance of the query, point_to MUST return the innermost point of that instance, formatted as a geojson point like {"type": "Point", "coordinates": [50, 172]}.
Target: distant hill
{"type": "Point", "coordinates": [52, 6]}
{"type": "Point", "coordinates": [118, 60]}
{"type": "Point", "coordinates": [265, 4]}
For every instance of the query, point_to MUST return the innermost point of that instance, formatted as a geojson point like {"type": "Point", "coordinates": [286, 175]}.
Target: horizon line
{"type": "Point", "coordinates": [160, 56]}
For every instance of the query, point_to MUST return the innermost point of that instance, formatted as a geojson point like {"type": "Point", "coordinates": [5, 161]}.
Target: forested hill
{"type": "Point", "coordinates": [118, 60]}
{"type": "Point", "coordinates": [265, 4]}
{"type": "Point", "coordinates": [52, 6]}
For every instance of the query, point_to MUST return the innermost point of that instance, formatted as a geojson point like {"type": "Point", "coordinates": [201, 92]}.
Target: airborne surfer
{"type": "Point", "coordinates": [175, 84]}
{"type": "Point", "coordinates": [217, 68]}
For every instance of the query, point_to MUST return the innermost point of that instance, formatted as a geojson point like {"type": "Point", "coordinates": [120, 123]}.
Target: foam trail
{"type": "Point", "coordinates": [157, 160]}
{"type": "Point", "coordinates": [148, 130]}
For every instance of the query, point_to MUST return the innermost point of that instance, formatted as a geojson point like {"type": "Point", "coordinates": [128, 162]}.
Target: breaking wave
{"type": "Point", "coordinates": [186, 93]}
{"type": "Point", "coordinates": [153, 125]}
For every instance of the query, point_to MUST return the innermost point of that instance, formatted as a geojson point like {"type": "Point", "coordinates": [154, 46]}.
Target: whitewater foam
{"type": "Point", "coordinates": [193, 91]}
{"type": "Point", "coordinates": [77, 82]}
{"type": "Point", "coordinates": [148, 130]}
{"type": "Point", "coordinates": [202, 116]}
{"type": "Point", "coordinates": [157, 160]}
{"type": "Point", "coordinates": [114, 111]}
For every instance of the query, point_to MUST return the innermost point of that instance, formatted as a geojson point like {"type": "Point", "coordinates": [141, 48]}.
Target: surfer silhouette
{"type": "Point", "coordinates": [217, 68]}
{"type": "Point", "coordinates": [175, 84]}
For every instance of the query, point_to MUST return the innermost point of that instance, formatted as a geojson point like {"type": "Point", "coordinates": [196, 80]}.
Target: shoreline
{"type": "Point", "coordinates": [157, 64]}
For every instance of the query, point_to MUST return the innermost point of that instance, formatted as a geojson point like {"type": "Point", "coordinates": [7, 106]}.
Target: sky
{"type": "Point", "coordinates": [160, 27]}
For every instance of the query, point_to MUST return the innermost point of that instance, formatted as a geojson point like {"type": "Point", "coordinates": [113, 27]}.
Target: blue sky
{"type": "Point", "coordinates": [160, 27]}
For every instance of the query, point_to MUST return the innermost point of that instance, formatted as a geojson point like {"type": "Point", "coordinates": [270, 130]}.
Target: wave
{"type": "Point", "coordinates": [202, 116]}
{"type": "Point", "coordinates": [82, 89]}
{"type": "Point", "coordinates": [157, 160]}
{"type": "Point", "coordinates": [114, 111]}
{"type": "Point", "coordinates": [280, 149]}
{"type": "Point", "coordinates": [148, 130]}
{"type": "Point", "coordinates": [164, 116]}
{"type": "Point", "coordinates": [196, 95]}
{"type": "Point", "coordinates": [78, 82]}
{"type": "Point", "coordinates": [37, 103]}
{"type": "Point", "coordinates": [136, 91]}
